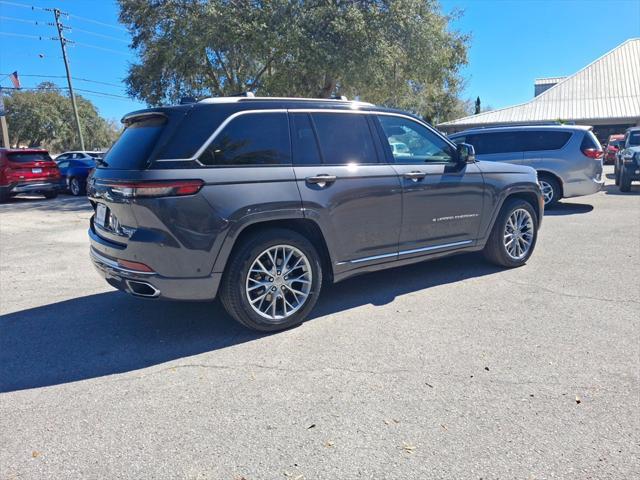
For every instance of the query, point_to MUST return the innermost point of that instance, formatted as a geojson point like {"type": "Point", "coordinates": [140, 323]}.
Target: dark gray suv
{"type": "Point", "coordinates": [261, 200]}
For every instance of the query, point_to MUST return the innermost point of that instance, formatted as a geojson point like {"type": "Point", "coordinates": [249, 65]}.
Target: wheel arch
{"type": "Point", "coordinates": [303, 226]}
{"type": "Point", "coordinates": [555, 176]}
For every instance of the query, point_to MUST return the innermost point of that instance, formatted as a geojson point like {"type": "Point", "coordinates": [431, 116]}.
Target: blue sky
{"type": "Point", "coordinates": [513, 42]}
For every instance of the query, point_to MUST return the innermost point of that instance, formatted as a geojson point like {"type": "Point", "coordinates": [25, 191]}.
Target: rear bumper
{"type": "Point", "coordinates": [33, 186]}
{"type": "Point", "coordinates": [134, 283]}
{"type": "Point", "coordinates": [578, 188]}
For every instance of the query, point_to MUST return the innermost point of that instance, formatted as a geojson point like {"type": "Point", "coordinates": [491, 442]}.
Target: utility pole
{"type": "Point", "coordinates": [3, 122]}
{"type": "Point", "coordinates": [63, 43]}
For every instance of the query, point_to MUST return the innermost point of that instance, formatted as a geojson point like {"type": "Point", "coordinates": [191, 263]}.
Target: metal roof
{"type": "Point", "coordinates": [548, 80]}
{"type": "Point", "coordinates": [608, 88]}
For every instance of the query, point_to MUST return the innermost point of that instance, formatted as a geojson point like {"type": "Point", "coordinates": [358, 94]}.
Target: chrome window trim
{"type": "Point", "coordinates": [407, 252]}
{"type": "Point", "coordinates": [216, 132]}
{"type": "Point", "coordinates": [354, 110]}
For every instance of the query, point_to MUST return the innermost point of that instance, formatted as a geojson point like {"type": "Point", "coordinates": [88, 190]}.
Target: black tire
{"type": "Point", "coordinates": [495, 250]}
{"type": "Point", "coordinates": [625, 180]}
{"type": "Point", "coordinates": [616, 173]}
{"type": "Point", "coordinates": [4, 196]}
{"type": "Point", "coordinates": [76, 187]}
{"type": "Point", "coordinates": [555, 187]}
{"type": "Point", "coordinates": [232, 288]}
{"type": "Point", "coordinates": [50, 195]}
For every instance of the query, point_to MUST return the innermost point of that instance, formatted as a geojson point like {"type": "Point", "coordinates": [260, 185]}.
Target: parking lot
{"type": "Point", "coordinates": [449, 369]}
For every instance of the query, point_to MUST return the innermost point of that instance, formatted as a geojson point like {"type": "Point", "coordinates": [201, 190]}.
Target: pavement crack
{"type": "Point", "coordinates": [574, 295]}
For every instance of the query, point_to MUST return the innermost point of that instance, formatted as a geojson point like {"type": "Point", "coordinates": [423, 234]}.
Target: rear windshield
{"type": "Point", "coordinates": [590, 142]}
{"type": "Point", "coordinates": [634, 138]}
{"type": "Point", "coordinates": [95, 154]}
{"type": "Point", "coordinates": [131, 151]}
{"type": "Point", "coordinates": [24, 157]}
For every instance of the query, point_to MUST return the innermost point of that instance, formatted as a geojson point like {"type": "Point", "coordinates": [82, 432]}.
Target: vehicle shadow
{"type": "Point", "coordinates": [110, 333]}
{"type": "Point", "coordinates": [62, 203]}
{"type": "Point", "coordinates": [566, 208]}
{"type": "Point", "coordinates": [615, 190]}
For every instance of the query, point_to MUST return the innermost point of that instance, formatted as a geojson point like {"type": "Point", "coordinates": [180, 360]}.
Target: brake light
{"type": "Point", "coordinates": [592, 153]}
{"type": "Point", "coordinates": [156, 189]}
{"type": "Point", "coordinates": [137, 266]}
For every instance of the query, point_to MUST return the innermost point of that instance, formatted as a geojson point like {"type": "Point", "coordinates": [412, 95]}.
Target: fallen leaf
{"type": "Point", "coordinates": [35, 454]}
{"type": "Point", "coordinates": [328, 443]}
{"type": "Point", "coordinates": [444, 426]}
{"type": "Point", "coordinates": [578, 400]}
{"type": "Point", "coordinates": [407, 447]}
{"type": "Point", "coordinates": [486, 368]}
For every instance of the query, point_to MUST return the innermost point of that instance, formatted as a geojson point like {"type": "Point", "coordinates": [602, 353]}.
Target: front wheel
{"type": "Point", "coordinates": [272, 280]}
{"type": "Point", "coordinates": [514, 235]}
{"type": "Point", "coordinates": [625, 180]}
{"type": "Point", "coordinates": [616, 173]}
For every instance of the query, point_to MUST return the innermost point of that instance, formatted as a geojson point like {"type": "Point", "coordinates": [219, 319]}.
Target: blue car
{"type": "Point", "coordinates": [74, 168]}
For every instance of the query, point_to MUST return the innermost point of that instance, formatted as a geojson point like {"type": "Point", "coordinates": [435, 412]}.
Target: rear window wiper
{"type": "Point", "coordinates": [101, 161]}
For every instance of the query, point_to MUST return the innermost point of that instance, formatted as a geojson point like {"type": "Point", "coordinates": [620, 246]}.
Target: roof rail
{"type": "Point", "coordinates": [248, 96]}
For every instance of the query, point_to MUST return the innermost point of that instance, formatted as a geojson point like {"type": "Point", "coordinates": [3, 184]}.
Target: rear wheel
{"type": "Point", "coordinates": [551, 190]}
{"type": "Point", "coordinates": [514, 234]}
{"type": "Point", "coordinates": [76, 187]}
{"type": "Point", "coordinates": [625, 180]}
{"type": "Point", "coordinates": [616, 173]}
{"type": "Point", "coordinates": [272, 280]}
{"type": "Point", "coordinates": [50, 194]}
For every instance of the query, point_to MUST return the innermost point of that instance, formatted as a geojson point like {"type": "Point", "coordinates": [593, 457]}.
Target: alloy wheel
{"type": "Point", "coordinates": [547, 191]}
{"type": "Point", "coordinates": [518, 234]}
{"type": "Point", "coordinates": [279, 282]}
{"type": "Point", "coordinates": [74, 186]}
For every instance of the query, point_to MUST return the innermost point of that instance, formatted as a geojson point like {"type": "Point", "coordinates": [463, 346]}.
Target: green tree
{"type": "Point", "coordinates": [44, 117]}
{"type": "Point", "coordinates": [399, 53]}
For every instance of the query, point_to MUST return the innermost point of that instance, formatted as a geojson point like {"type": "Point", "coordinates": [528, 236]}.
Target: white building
{"type": "Point", "coordinates": [605, 94]}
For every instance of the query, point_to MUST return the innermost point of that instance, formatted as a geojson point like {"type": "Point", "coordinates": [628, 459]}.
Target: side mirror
{"type": "Point", "coordinates": [466, 153]}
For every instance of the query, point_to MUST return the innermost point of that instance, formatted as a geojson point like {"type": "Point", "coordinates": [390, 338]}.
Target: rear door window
{"type": "Point", "coordinates": [303, 140]}
{"type": "Point", "coordinates": [131, 151]}
{"type": "Point", "coordinates": [590, 142]}
{"type": "Point", "coordinates": [251, 139]}
{"type": "Point", "coordinates": [634, 138]}
{"type": "Point", "coordinates": [496, 142]}
{"type": "Point", "coordinates": [344, 138]}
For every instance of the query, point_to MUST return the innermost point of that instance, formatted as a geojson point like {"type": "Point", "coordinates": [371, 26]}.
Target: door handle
{"type": "Point", "coordinates": [321, 180]}
{"type": "Point", "coordinates": [415, 176]}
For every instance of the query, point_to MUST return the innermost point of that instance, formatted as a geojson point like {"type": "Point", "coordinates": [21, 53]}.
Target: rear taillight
{"type": "Point", "coordinates": [156, 189]}
{"type": "Point", "coordinates": [592, 153]}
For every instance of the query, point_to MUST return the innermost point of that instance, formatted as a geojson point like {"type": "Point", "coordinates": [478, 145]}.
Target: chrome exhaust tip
{"type": "Point", "coordinates": [142, 289]}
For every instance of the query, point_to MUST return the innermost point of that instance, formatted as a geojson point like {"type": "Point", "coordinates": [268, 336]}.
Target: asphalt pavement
{"type": "Point", "coordinates": [452, 369]}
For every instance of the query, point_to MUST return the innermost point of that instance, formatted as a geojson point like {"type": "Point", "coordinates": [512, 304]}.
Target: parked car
{"type": "Point", "coordinates": [611, 150]}
{"type": "Point", "coordinates": [27, 171]}
{"type": "Point", "coordinates": [74, 169]}
{"type": "Point", "coordinates": [261, 200]}
{"type": "Point", "coordinates": [568, 158]}
{"type": "Point", "coordinates": [627, 167]}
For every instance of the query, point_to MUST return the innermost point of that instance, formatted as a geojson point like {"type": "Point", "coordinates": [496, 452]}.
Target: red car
{"type": "Point", "coordinates": [27, 170]}
{"type": "Point", "coordinates": [613, 145]}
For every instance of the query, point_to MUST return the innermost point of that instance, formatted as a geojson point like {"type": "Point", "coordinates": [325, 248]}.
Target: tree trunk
{"type": "Point", "coordinates": [328, 87]}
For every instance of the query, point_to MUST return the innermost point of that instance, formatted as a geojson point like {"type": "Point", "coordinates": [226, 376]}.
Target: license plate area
{"type": "Point", "coordinates": [36, 170]}
{"type": "Point", "coordinates": [102, 215]}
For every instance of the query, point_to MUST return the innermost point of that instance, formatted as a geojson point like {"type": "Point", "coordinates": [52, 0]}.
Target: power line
{"type": "Point", "coordinates": [23, 35]}
{"type": "Point", "coordinates": [15, 4]}
{"type": "Point", "coordinates": [90, 20]}
{"type": "Point", "coordinates": [73, 78]}
{"type": "Point", "coordinates": [88, 32]}
{"type": "Point", "coordinates": [93, 92]}
{"type": "Point", "coordinates": [87, 45]}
